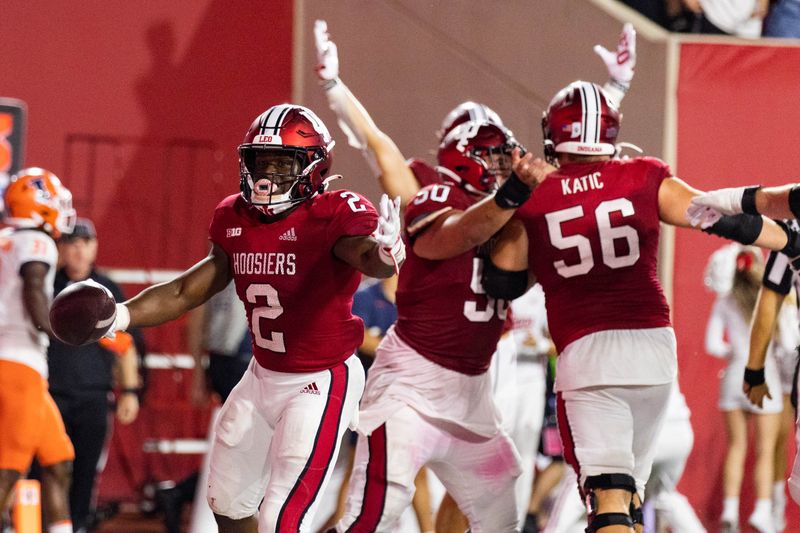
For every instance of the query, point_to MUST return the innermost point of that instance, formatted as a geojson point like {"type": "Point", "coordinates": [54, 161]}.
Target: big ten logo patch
{"type": "Point", "coordinates": [233, 232]}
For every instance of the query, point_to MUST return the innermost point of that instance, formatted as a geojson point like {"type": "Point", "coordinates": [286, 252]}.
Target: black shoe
{"type": "Point", "coordinates": [170, 502]}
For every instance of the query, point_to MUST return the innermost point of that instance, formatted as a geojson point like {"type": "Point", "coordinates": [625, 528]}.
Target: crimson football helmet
{"type": "Point", "coordinates": [465, 112]}
{"type": "Point", "coordinates": [474, 153]}
{"type": "Point", "coordinates": [581, 119]}
{"type": "Point", "coordinates": [284, 158]}
{"type": "Point", "coordinates": [35, 198]}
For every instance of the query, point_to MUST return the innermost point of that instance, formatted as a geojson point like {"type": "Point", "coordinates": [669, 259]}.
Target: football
{"type": "Point", "coordinates": [82, 313]}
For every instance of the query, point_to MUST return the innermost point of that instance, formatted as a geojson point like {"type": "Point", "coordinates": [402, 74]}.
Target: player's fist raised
{"type": "Point", "coordinates": [392, 250]}
{"type": "Point", "coordinates": [327, 54]}
{"type": "Point", "coordinates": [620, 64]}
{"type": "Point", "coordinates": [527, 173]}
{"type": "Point", "coordinates": [530, 169]}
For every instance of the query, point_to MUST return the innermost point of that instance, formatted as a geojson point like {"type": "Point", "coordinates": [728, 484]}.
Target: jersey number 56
{"type": "Point", "coordinates": [607, 233]}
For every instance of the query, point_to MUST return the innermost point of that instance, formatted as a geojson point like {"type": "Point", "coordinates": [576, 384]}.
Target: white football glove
{"type": "Point", "coordinates": [327, 53]}
{"type": "Point", "coordinates": [702, 216]}
{"type": "Point", "coordinates": [726, 201]}
{"type": "Point", "coordinates": [122, 319]}
{"type": "Point", "coordinates": [620, 64]}
{"type": "Point", "coordinates": [392, 249]}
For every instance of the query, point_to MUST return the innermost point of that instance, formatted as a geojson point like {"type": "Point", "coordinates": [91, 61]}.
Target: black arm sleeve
{"type": "Point", "coordinates": [792, 248]}
{"type": "Point", "coordinates": [503, 284]}
{"type": "Point", "coordinates": [794, 201]}
{"type": "Point", "coordinates": [743, 228]}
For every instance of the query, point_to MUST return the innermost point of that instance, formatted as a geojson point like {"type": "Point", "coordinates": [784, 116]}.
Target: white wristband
{"type": "Point", "coordinates": [123, 318]}
{"type": "Point", "coordinates": [615, 90]}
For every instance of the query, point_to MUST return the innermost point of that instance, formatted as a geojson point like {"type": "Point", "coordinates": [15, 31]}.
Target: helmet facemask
{"type": "Point", "coordinates": [67, 216]}
{"type": "Point", "coordinates": [496, 163]}
{"type": "Point", "coordinates": [276, 179]}
{"type": "Point", "coordinates": [477, 155]}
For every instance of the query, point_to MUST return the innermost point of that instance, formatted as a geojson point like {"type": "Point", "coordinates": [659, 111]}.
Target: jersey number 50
{"type": "Point", "coordinates": [607, 234]}
{"type": "Point", "coordinates": [493, 305]}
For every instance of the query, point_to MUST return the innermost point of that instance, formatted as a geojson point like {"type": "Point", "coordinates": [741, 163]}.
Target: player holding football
{"type": "Point", "coordinates": [295, 252]}
{"type": "Point", "coordinates": [38, 209]}
{"type": "Point", "coordinates": [593, 228]}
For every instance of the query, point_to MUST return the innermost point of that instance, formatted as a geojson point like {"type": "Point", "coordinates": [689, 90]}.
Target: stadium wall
{"type": "Point", "coordinates": [139, 108]}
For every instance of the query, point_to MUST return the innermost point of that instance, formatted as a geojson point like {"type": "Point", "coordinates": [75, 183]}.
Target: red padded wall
{"type": "Point", "coordinates": [139, 107]}
{"type": "Point", "coordinates": [737, 124]}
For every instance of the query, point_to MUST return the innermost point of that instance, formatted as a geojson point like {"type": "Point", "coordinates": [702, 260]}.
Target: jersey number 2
{"type": "Point", "coordinates": [608, 234]}
{"type": "Point", "coordinates": [274, 341]}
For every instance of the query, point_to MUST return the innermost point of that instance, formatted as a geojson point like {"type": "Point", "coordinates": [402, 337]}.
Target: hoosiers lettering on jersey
{"type": "Point", "coordinates": [279, 280]}
{"type": "Point", "coordinates": [276, 263]}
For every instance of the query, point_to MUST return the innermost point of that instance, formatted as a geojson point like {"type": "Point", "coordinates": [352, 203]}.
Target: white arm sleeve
{"type": "Point", "coordinates": [341, 102]}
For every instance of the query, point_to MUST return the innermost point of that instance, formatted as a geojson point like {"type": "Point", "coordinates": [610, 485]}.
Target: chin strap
{"type": "Point", "coordinates": [620, 146]}
{"type": "Point", "coordinates": [327, 181]}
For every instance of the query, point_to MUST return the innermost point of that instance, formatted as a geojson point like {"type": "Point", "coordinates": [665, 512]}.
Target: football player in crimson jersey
{"type": "Point", "coordinates": [38, 210]}
{"type": "Point", "coordinates": [404, 178]}
{"type": "Point", "coordinates": [399, 176]}
{"type": "Point", "coordinates": [296, 253]}
{"type": "Point", "coordinates": [593, 228]}
{"type": "Point", "coordinates": [429, 397]}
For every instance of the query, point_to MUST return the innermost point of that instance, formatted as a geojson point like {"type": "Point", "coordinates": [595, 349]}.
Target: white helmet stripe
{"type": "Point", "coordinates": [274, 119]}
{"type": "Point", "coordinates": [590, 102]}
{"type": "Point", "coordinates": [599, 107]}
{"type": "Point", "coordinates": [478, 112]}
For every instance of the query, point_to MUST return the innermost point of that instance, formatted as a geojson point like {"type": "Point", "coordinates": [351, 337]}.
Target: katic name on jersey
{"type": "Point", "coordinates": [582, 184]}
{"type": "Point", "coordinates": [276, 263]}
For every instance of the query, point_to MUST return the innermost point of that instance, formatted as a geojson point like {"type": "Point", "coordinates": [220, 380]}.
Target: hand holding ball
{"type": "Point", "coordinates": [82, 313]}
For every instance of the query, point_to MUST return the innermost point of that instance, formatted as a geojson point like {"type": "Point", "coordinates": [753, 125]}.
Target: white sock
{"type": "Point", "coordinates": [62, 526]}
{"type": "Point", "coordinates": [730, 508]}
{"type": "Point", "coordinates": [763, 507]}
{"type": "Point", "coordinates": [779, 493]}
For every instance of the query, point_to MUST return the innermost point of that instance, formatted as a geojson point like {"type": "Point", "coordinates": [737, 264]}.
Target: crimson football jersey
{"type": "Point", "coordinates": [423, 172]}
{"type": "Point", "coordinates": [593, 230]}
{"type": "Point", "coordinates": [442, 310]}
{"type": "Point", "coordinates": [297, 294]}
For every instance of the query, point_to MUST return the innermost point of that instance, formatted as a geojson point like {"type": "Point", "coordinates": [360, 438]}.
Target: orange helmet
{"type": "Point", "coordinates": [35, 198]}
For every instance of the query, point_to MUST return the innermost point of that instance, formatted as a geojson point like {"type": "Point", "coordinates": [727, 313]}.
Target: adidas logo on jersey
{"type": "Point", "coordinates": [288, 235]}
{"type": "Point", "coordinates": [311, 388]}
